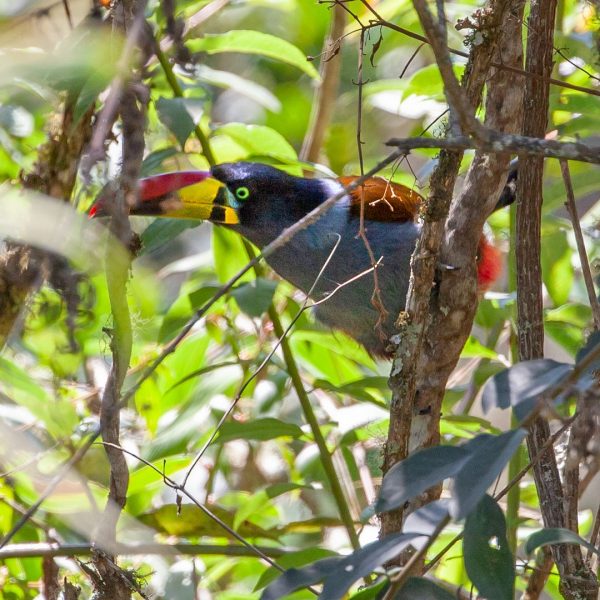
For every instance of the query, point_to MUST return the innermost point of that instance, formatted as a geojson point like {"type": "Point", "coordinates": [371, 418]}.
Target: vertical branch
{"type": "Point", "coordinates": [434, 326]}
{"type": "Point", "coordinates": [576, 579]}
{"type": "Point", "coordinates": [110, 581]}
{"type": "Point", "coordinates": [325, 95]}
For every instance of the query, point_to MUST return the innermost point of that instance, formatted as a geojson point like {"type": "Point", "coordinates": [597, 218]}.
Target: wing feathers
{"type": "Point", "coordinates": [384, 200]}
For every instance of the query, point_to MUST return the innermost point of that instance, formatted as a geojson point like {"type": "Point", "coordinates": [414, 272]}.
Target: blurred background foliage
{"type": "Point", "coordinates": [251, 92]}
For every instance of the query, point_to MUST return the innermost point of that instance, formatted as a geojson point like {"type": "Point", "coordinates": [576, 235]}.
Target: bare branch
{"type": "Point", "coordinates": [505, 143]}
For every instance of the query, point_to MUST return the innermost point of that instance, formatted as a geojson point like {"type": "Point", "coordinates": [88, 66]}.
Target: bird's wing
{"type": "Point", "coordinates": [383, 200]}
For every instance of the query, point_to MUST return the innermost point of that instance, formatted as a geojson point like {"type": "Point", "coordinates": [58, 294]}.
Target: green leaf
{"type": "Point", "coordinates": [255, 297]}
{"type": "Point", "coordinates": [254, 142]}
{"type": "Point", "coordinates": [162, 231]}
{"type": "Point", "coordinates": [180, 115]}
{"type": "Point", "coordinates": [417, 473]}
{"type": "Point", "coordinates": [555, 535]}
{"type": "Point", "coordinates": [475, 349]}
{"type": "Point", "coordinates": [520, 386]}
{"type": "Point", "coordinates": [557, 270]}
{"type": "Point", "coordinates": [255, 42]}
{"type": "Point", "coordinates": [488, 559]}
{"type": "Point", "coordinates": [567, 323]}
{"type": "Point", "coordinates": [258, 429]}
{"type": "Point", "coordinates": [489, 454]}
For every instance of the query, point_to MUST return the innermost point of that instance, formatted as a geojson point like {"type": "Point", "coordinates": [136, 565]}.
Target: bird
{"type": "Point", "coordinates": [259, 201]}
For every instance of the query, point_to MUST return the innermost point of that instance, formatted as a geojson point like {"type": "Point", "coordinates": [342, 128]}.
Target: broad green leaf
{"type": "Point", "coordinates": [255, 297]}
{"type": "Point", "coordinates": [256, 142]}
{"type": "Point", "coordinates": [260, 500]}
{"type": "Point", "coordinates": [475, 349]}
{"type": "Point", "coordinates": [417, 473]}
{"type": "Point", "coordinates": [555, 535]}
{"type": "Point", "coordinates": [567, 324]}
{"type": "Point", "coordinates": [521, 385]}
{"type": "Point", "coordinates": [192, 521]}
{"type": "Point", "coordinates": [180, 115]}
{"type": "Point", "coordinates": [489, 454]}
{"type": "Point", "coordinates": [257, 429]}
{"type": "Point", "coordinates": [230, 254]}
{"type": "Point", "coordinates": [255, 42]}
{"type": "Point", "coordinates": [488, 559]}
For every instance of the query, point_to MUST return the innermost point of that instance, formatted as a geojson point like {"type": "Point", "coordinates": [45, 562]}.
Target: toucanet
{"type": "Point", "coordinates": [260, 201]}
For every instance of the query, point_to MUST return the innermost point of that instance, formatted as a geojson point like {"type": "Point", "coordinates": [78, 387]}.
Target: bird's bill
{"type": "Point", "coordinates": [180, 195]}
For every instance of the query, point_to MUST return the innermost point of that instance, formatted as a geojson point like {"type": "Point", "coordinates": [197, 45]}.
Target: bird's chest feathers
{"type": "Point", "coordinates": [303, 257]}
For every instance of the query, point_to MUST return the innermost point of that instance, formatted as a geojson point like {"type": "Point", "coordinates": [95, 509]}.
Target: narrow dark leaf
{"type": "Point", "coordinates": [155, 159]}
{"type": "Point", "coordinates": [162, 231]}
{"type": "Point", "coordinates": [556, 535]}
{"type": "Point", "coordinates": [255, 297]}
{"type": "Point", "coordinates": [294, 560]}
{"type": "Point", "coordinates": [422, 589]}
{"type": "Point", "coordinates": [521, 385]}
{"type": "Point", "coordinates": [489, 454]}
{"type": "Point", "coordinates": [427, 518]}
{"type": "Point", "coordinates": [488, 559]}
{"type": "Point", "coordinates": [295, 579]}
{"type": "Point", "coordinates": [179, 115]}
{"type": "Point", "coordinates": [362, 562]}
{"type": "Point", "coordinates": [418, 473]}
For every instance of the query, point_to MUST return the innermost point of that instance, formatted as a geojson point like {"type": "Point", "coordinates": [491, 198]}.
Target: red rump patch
{"type": "Point", "coordinates": [489, 263]}
{"type": "Point", "coordinates": [161, 185]}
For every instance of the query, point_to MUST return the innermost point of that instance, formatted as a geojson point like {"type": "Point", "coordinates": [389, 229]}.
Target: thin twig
{"type": "Point", "coordinates": [498, 65]}
{"type": "Point", "coordinates": [376, 299]}
{"type": "Point", "coordinates": [583, 258]}
{"type": "Point", "coordinates": [181, 490]}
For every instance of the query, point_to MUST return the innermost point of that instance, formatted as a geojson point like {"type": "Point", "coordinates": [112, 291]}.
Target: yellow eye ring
{"type": "Point", "coordinates": [242, 193]}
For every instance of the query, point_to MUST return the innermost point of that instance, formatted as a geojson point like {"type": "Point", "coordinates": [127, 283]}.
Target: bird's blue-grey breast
{"type": "Point", "coordinates": [278, 200]}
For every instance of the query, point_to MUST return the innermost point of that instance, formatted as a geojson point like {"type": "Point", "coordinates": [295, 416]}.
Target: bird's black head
{"type": "Point", "coordinates": [266, 199]}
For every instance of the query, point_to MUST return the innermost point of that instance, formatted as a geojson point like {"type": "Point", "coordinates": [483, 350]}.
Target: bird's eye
{"type": "Point", "coordinates": [242, 193]}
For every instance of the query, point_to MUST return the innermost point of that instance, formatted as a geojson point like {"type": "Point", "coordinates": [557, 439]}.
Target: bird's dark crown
{"type": "Point", "coordinates": [274, 196]}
